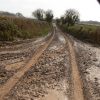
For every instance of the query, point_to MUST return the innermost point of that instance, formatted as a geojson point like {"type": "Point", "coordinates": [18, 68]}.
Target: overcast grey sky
{"type": "Point", "coordinates": [88, 9]}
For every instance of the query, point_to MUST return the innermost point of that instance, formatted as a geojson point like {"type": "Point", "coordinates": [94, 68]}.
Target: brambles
{"type": "Point", "coordinates": [8, 30]}
{"type": "Point", "coordinates": [21, 28]}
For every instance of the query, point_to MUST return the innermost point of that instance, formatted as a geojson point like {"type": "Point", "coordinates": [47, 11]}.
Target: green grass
{"type": "Point", "coordinates": [88, 33]}
{"type": "Point", "coordinates": [21, 28]}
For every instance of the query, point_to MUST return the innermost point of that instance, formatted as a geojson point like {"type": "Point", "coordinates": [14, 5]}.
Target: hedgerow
{"type": "Point", "coordinates": [12, 28]}
{"type": "Point", "coordinates": [87, 33]}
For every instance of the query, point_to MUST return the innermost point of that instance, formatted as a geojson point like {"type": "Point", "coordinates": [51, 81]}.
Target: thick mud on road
{"type": "Point", "coordinates": [56, 67]}
{"type": "Point", "coordinates": [14, 57]}
{"type": "Point", "coordinates": [49, 78]}
{"type": "Point", "coordinates": [88, 58]}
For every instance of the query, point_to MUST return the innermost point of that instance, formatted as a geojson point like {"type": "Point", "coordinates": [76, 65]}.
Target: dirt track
{"type": "Point", "coordinates": [54, 72]}
{"type": "Point", "coordinates": [14, 79]}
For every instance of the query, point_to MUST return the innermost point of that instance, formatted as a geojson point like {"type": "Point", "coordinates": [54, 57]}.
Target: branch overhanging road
{"type": "Point", "coordinates": [51, 67]}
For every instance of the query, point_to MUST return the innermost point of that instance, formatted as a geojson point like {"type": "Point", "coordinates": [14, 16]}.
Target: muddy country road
{"type": "Point", "coordinates": [56, 67]}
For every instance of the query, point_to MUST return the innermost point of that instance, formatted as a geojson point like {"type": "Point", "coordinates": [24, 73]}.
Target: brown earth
{"type": "Point", "coordinates": [56, 68]}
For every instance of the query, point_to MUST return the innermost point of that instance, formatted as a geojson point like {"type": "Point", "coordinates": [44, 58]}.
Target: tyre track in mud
{"type": "Point", "coordinates": [48, 79]}
{"type": "Point", "coordinates": [15, 78]}
{"type": "Point", "coordinates": [75, 74]}
{"type": "Point", "coordinates": [76, 90]}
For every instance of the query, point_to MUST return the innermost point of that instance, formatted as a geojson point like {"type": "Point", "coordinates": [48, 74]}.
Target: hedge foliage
{"type": "Point", "coordinates": [88, 33]}
{"type": "Point", "coordinates": [23, 28]}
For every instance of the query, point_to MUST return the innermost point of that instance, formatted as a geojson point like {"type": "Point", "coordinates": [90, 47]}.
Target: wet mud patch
{"type": "Point", "coordinates": [88, 58]}
{"type": "Point", "coordinates": [50, 73]}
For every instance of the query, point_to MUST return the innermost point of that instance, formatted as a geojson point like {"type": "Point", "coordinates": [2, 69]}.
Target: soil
{"type": "Point", "coordinates": [48, 78]}
{"type": "Point", "coordinates": [67, 69]}
{"type": "Point", "coordinates": [88, 58]}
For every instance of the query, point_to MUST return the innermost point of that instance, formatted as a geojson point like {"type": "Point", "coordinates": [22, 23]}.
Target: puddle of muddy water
{"type": "Point", "coordinates": [53, 48]}
{"type": "Point", "coordinates": [62, 39]}
{"type": "Point", "coordinates": [54, 95]}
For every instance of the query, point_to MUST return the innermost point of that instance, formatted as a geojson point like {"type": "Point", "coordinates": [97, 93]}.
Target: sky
{"type": "Point", "coordinates": [88, 9]}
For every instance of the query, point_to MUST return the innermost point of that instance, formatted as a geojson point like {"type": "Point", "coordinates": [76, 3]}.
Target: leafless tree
{"type": "Point", "coordinates": [71, 16]}
{"type": "Point", "coordinates": [19, 14]}
{"type": "Point", "coordinates": [38, 14]}
{"type": "Point", "coordinates": [49, 16]}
